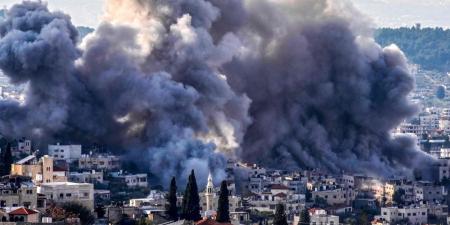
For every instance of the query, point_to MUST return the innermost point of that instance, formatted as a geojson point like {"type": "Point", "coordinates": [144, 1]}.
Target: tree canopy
{"type": "Point", "coordinates": [428, 47]}
{"type": "Point", "coordinates": [171, 207]}
{"type": "Point", "coordinates": [191, 200]}
{"type": "Point", "coordinates": [223, 211]}
{"type": "Point", "coordinates": [304, 217]}
{"type": "Point", "coordinates": [280, 215]}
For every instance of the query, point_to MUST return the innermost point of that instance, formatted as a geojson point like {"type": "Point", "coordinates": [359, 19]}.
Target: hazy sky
{"type": "Point", "coordinates": [386, 13]}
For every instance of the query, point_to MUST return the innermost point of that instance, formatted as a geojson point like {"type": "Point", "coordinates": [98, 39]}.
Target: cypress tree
{"type": "Point", "coordinates": [280, 215]}
{"type": "Point", "coordinates": [6, 160]}
{"type": "Point", "coordinates": [304, 217]}
{"type": "Point", "coordinates": [171, 207]}
{"type": "Point", "coordinates": [191, 200]}
{"type": "Point", "coordinates": [223, 211]}
{"type": "Point", "coordinates": [186, 196]}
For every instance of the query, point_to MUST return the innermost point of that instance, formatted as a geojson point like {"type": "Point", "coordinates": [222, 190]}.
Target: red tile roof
{"type": "Point", "coordinates": [278, 187]}
{"type": "Point", "coordinates": [281, 195]}
{"type": "Point", "coordinates": [22, 211]}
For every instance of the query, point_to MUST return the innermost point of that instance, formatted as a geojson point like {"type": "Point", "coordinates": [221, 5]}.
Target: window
{"type": "Point", "coordinates": [68, 195]}
{"type": "Point", "coordinates": [29, 192]}
{"type": "Point", "coordinates": [61, 195]}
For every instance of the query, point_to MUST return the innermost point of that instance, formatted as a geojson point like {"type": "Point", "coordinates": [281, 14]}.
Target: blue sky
{"type": "Point", "coordinates": [385, 13]}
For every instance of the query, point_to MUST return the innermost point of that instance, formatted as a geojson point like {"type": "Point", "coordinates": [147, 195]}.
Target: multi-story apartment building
{"type": "Point", "coordinates": [99, 162]}
{"type": "Point", "coordinates": [13, 195]}
{"type": "Point", "coordinates": [444, 169]}
{"type": "Point", "coordinates": [21, 147]}
{"type": "Point", "coordinates": [320, 217]}
{"type": "Point", "coordinates": [69, 153]}
{"type": "Point", "coordinates": [335, 195]}
{"type": "Point", "coordinates": [415, 215]}
{"type": "Point", "coordinates": [63, 192]}
{"type": "Point", "coordinates": [41, 171]}
{"type": "Point", "coordinates": [86, 177]}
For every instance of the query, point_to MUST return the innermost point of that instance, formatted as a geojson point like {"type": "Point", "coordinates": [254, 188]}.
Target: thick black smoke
{"type": "Point", "coordinates": [323, 93]}
{"type": "Point", "coordinates": [180, 84]}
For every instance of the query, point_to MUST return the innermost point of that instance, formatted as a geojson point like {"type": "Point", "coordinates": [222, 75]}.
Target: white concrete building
{"type": "Point", "coordinates": [320, 217]}
{"type": "Point", "coordinates": [415, 215]}
{"type": "Point", "coordinates": [64, 192]}
{"type": "Point", "coordinates": [99, 162]}
{"type": "Point", "coordinates": [335, 196]}
{"type": "Point", "coordinates": [21, 147]}
{"type": "Point", "coordinates": [430, 121]}
{"type": "Point", "coordinates": [70, 153]}
{"type": "Point", "coordinates": [444, 169]}
{"type": "Point", "coordinates": [86, 177]}
{"type": "Point", "coordinates": [417, 129]}
{"type": "Point", "coordinates": [135, 180]}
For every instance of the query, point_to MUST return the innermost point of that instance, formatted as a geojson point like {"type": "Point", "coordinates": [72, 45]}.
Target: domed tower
{"type": "Point", "coordinates": [209, 193]}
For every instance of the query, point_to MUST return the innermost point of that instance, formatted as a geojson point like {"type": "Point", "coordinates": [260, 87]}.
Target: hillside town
{"type": "Point", "coordinates": [76, 184]}
{"type": "Point", "coordinates": [73, 185]}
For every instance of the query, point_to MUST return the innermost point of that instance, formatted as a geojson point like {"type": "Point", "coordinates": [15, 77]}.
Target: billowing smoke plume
{"type": "Point", "coordinates": [323, 93]}
{"type": "Point", "coordinates": [182, 84]}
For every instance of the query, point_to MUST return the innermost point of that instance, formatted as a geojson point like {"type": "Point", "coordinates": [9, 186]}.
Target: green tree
{"type": "Point", "coordinates": [223, 211]}
{"type": "Point", "coordinates": [363, 219]}
{"type": "Point", "coordinates": [399, 196]}
{"type": "Point", "coordinates": [6, 160]}
{"type": "Point", "coordinates": [280, 215]}
{"type": "Point", "coordinates": [126, 220]}
{"type": "Point", "coordinates": [191, 200]}
{"type": "Point", "coordinates": [171, 207]}
{"type": "Point", "coordinates": [308, 195]}
{"type": "Point", "coordinates": [100, 210]}
{"type": "Point", "coordinates": [85, 215]}
{"type": "Point", "coordinates": [304, 217]}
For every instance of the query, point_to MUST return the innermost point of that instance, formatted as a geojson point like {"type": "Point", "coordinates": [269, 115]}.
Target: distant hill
{"type": "Point", "coordinates": [83, 31]}
{"type": "Point", "coordinates": [428, 47]}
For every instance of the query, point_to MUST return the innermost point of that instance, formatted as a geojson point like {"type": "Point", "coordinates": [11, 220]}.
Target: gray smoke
{"type": "Point", "coordinates": [323, 93]}
{"type": "Point", "coordinates": [183, 84]}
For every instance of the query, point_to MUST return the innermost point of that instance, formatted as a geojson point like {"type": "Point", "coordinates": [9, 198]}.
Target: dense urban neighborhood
{"type": "Point", "coordinates": [71, 184]}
